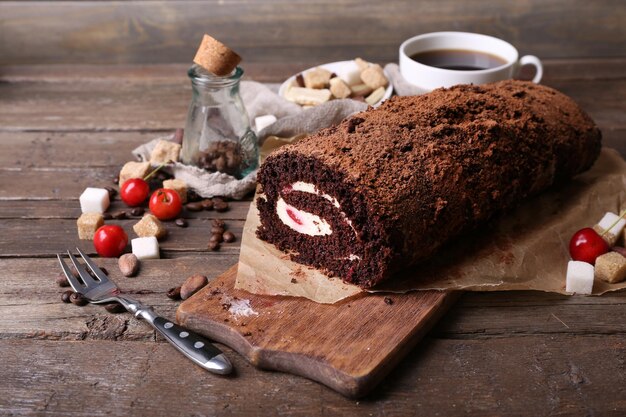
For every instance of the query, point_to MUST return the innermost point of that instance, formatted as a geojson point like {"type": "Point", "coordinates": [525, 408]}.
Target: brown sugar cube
{"type": "Point", "coordinates": [148, 226]}
{"type": "Point", "coordinates": [87, 225]}
{"type": "Point", "coordinates": [339, 88]}
{"type": "Point", "coordinates": [611, 267]}
{"type": "Point", "coordinates": [376, 96]}
{"type": "Point", "coordinates": [308, 96]}
{"type": "Point", "coordinates": [165, 151]}
{"type": "Point", "coordinates": [361, 63]}
{"type": "Point", "coordinates": [609, 238]}
{"type": "Point", "coordinates": [216, 57]}
{"type": "Point", "coordinates": [134, 170]}
{"type": "Point", "coordinates": [360, 90]}
{"type": "Point", "coordinates": [179, 186]}
{"type": "Point", "coordinates": [316, 78]}
{"type": "Point", "coordinates": [374, 77]}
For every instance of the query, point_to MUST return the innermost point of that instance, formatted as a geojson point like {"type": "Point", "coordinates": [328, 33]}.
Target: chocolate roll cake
{"type": "Point", "coordinates": [387, 187]}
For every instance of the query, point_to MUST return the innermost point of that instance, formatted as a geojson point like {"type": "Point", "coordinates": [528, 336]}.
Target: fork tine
{"type": "Point", "coordinates": [84, 275]}
{"type": "Point", "coordinates": [94, 268]}
{"type": "Point", "coordinates": [76, 285]}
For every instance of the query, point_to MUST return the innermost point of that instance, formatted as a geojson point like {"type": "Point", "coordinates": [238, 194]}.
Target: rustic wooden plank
{"type": "Point", "coordinates": [46, 237]}
{"type": "Point", "coordinates": [525, 376]}
{"type": "Point", "coordinates": [32, 308]}
{"type": "Point", "coordinates": [31, 305]}
{"type": "Point", "coordinates": [70, 209]}
{"type": "Point", "coordinates": [264, 31]}
{"type": "Point", "coordinates": [120, 106]}
{"type": "Point", "coordinates": [70, 149]}
{"type": "Point", "coordinates": [272, 72]}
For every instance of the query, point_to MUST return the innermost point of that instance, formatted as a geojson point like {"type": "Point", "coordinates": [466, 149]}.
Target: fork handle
{"type": "Point", "coordinates": [191, 344]}
{"type": "Point", "coordinates": [194, 346]}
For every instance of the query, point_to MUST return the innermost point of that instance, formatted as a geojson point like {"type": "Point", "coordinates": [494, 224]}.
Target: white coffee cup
{"type": "Point", "coordinates": [428, 77]}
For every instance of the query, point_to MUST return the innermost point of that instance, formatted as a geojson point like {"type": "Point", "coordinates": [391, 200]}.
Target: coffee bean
{"type": "Point", "coordinates": [61, 280]}
{"type": "Point", "coordinates": [214, 246]}
{"type": "Point", "coordinates": [192, 196]}
{"type": "Point", "coordinates": [218, 223]}
{"type": "Point", "coordinates": [196, 206]}
{"type": "Point", "coordinates": [229, 237]}
{"type": "Point", "coordinates": [221, 206]}
{"type": "Point", "coordinates": [300, 80]}
{"type": "Point", "coordinates": [192, 285]}
{"type": "Point", "coordinates": [107, 216]}
{"type": "Point", "coordinates": [216, 237]}
{"type": "Point", "coordinates": [137, 211]}
{"type": "Point", "coordinates": [114, 308]}
{"type": "Point", "coordinates": [119, 215]}
{"type": "Point", "coordinates": [74, 271]}
{"type": "Point", "coordinates": [207, 204]}
{"type": "Point", "coordinates": [173, 293]}
{"type": "Point", "coordinates": [104, 270]}
{"type": "Point", "coordinates": [78, 299]}
{"type": "Point", "coordinates": [66, 296]}
{"type": "Point", "coordinates": [112, 192]}
{"type": "Point", "coordinates": [181, 222]}
{"type": "Point", "coordinates": [217, 230]}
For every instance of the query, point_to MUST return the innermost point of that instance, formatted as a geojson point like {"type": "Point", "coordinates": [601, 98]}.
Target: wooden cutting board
{"type": "Point", "coordinates": [349, 346]}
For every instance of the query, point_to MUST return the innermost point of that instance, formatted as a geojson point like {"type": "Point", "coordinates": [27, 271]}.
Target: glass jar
{"type": "Point", "coordinates": [217, 133]}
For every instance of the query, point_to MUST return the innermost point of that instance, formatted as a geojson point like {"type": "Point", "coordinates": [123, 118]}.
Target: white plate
{"type": "Point", "coordinates": [335, 67]}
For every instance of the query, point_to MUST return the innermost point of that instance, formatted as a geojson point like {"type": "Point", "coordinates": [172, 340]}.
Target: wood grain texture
{"type": "Point", "coordinates": [520, 353]}
{"type": "Point", "coordinates": [536, 375]}
{"type": "Point", "coordinates": [264, 31]}
{"type": "Point", "coordinates": [348, 346]}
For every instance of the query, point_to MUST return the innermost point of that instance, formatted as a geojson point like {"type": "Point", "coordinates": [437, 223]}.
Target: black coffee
{"type": "Point", "coordinates": [458, 59]}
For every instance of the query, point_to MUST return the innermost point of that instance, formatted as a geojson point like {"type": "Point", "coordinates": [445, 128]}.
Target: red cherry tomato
{"type": "Point", "coordinates": [165, 204]}
{"type": "Point", "coordinates": [134, 191]}
{"type": "Point", "coordinates": [586, 245]}
{"type": "Point", "coordinates": [110, 241]}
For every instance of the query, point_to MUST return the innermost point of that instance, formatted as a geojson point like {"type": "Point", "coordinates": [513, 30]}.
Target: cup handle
{"type": "Point", "coordinates": [534, 61]}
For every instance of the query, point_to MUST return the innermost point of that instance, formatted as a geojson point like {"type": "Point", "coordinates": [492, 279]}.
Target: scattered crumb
{"type": "Point", "coordinates": [247, 334]}
{"type": "Point", "coordinates": [388, 301]}
{"type": "Point", "coordinates": [226, 306]}
{"type": "Point", "coordinates": [294, 281]}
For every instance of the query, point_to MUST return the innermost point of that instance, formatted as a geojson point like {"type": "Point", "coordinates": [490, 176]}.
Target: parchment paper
{"type": "Point", "coordinates": [525, 249]}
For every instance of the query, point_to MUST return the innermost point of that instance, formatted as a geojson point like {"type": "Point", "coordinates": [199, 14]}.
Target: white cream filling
{"type": "Point", "coordinates": [307, 187]}
{"type": "Point", "coordinates": [302, 221]}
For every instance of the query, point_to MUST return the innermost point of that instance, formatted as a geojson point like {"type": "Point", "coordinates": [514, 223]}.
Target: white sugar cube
{"type": "Point", "coordinates": [350, 73]}
{"type": "Point", "coordinates": [579, 278]}
{"type": "Point", "coordinates": [94, 200]}
{"type": "Point", "coordinates": [608, 220]}
{"type": "Point", "coordinates": [262, 122]}
{"type": "Point", "coordinates": [145, 247]}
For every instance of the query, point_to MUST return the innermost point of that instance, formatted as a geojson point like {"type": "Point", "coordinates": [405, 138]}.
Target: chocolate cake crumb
{"type": "Point", "coordinates": [388, 301]}
{"type": "Point", "coordinates": [418, 171]}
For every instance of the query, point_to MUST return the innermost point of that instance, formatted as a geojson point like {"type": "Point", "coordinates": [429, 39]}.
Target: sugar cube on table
{"type": "Point", "coordinates": [145, 247]}
{"type": "Point", "coordinates": [150, 225]}
{"type": "Point", "coordinates": [610, 235]}
{"type": "Point", "coordinates": [87, 225]}
{"type": "Point", "coordinates": [262, 122]}
{"type": "Point", "coordinates": [579, 277]}
{"type": "Point", "coordinates": [94, 200]}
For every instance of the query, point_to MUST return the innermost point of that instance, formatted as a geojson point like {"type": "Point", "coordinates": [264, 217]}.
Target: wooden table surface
{"type": "Point", "coordinates": [63, 128]}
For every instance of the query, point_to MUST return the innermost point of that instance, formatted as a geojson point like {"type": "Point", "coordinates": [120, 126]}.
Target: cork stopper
{"type": "Point", "coordinates": [216, 57]}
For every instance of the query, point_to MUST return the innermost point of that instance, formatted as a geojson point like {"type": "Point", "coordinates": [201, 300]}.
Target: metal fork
{"type": "Point", "coordinates": [101, 290]}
